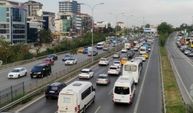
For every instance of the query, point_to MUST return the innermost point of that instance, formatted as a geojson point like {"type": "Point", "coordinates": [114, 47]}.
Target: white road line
{"type": "Point", "coordinates": [110, 92]}
{"type": "Point", "coordinates": [98, 108]}
{"type": "Point", "coordinates": [141, 89]}
{"type": "Point", "coordinates": [39, 98]}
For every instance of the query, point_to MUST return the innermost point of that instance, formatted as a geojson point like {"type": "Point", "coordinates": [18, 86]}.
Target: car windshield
{"type": "Point", "coordinates": [122, 90]}
{"type": "Point", "coordinates": [53, 88]}
{"type": "Point", "coordinates": [116, 62]}
{"type": "Point", "coordinates": [103, 77]}
{"type": "Point", "coordinates": [15, 70]}
{"type": "Point", "coordinates": [37, 68]}
{"type": "Point", "coordinates": [113, 68]}
{"type": "Point", "coordinates": [102, 59]}
{"type": "Point", "coordinates": [131, 68]}
{"type": "Point", "coordinates": [85, 71]}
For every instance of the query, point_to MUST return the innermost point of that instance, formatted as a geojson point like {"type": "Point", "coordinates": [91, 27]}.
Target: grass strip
{"type": "Point", "coordinates": [173, 99]}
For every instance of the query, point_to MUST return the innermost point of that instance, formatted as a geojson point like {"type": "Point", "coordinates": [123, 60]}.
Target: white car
{"type": "Point", "coordinates": [116, 55]}
{"type": "Point", "coordinates": [114, 70]}
{"type": "Point", "coordinates": [86, 74]}
{"type": "Point", "coordinates": [70, 61]}
{"type": "Point", "coordinates": [103, 79]}
{"type": "Point", "coordinates": [124, 50]}
{"type": "Point", "coordinates": [17, 72]}
{"type": "Point", "coordinates": [117, 63]}
{"type": "Point", "coordinates": [104, 61]}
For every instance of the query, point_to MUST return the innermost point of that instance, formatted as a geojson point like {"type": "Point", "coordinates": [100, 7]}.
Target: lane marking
{"type": "Point", "coordinates": [142, 86]}
{"type": "Point", "coordinates": [98, 108]}
{"type": "Point", "coordinates": [110, 92]}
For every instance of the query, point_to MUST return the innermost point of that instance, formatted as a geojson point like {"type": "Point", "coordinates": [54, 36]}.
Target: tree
{"type": "Point", "coordinates": [164, 28]}
{"type": "Point", "coordinates": [5, 51]}
{"type": "Point", "coordinates": [147, 26]}
{"type": "Point", "coordinates": [45, 36]}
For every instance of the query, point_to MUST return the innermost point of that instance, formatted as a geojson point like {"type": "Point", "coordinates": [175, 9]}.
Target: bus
{"type": "Point", "coordinates": [133, 68]}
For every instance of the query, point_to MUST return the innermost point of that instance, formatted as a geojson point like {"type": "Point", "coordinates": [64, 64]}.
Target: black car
{"type": "Point", "coordinates": [40, 70]}
{"type": "Point", "coordinates": [53, 56]}
{"type": "Point", "coordinates": [54, 89]}
{"type": "Point", "coordinates": [130, 54]}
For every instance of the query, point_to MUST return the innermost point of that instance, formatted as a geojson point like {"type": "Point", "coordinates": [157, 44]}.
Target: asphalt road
{"type": "Point", "coordinates": [57, 67]}
{"type": "Point", "coordinates": [183, 68]}
{"type": "Point", "coordinates": [147, 99]}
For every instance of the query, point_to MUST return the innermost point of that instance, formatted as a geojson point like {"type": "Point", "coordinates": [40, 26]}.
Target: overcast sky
{"type": "Point", "coordinates": [134, 12]}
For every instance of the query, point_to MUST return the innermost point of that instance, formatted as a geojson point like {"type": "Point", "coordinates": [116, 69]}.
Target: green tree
{"type": "Point", "coordinates": [147, 26]}
{"type": "Point", "coordinates": [5, 51]}
{"type": "Point", "coordinates": [164, 28]}
{"type": "Point", "coordinates": [45, 36]}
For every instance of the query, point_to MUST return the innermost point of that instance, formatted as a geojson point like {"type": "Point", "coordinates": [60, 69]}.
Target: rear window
{"type": "Point", "coordinates": [131, 68]}
{"type": "Point", "coordinates": [53, 88]}
{"type": "Point", "coordinates": [122, 90]}
{"type": "Point", "coordinates": [113, 68]}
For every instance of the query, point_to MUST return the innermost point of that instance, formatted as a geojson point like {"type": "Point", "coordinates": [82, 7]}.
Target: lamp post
{"type": "Point", "coordinates": [92, 31]}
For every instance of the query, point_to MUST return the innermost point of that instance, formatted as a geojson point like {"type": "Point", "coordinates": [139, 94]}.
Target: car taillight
{"type": "Point", "coordinates": [77, 109]}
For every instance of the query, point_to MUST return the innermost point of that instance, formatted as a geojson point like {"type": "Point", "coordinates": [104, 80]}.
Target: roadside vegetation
{"type": "Point", "coordinates": [173, 100]}
{"type": "Point", "coordinates": [11, 53]}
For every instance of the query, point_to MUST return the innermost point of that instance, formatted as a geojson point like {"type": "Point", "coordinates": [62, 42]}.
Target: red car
{"type": "Point", "coordinates": [48, 61]}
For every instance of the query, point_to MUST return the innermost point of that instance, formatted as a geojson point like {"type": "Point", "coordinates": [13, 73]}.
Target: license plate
{"type": "Point", "coordinates": [51, 91]}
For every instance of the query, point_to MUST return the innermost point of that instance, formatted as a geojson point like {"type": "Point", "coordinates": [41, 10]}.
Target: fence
{"type": "Point", "coordinates": [12, 93]}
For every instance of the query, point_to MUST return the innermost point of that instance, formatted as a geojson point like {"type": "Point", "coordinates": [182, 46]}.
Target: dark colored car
{"type": "Point", "coordinates": [53, 56]}
{"type": "Point", "coordinates": [85, 51]}
{"type": "Point", "coordinates": [54, 89]}
{"type": "Point", "coordinates": [40, 71]}
{"type": "Point", "coordinates": [130, 54]}
{"type": "Point", "coordinates": [66, 57]}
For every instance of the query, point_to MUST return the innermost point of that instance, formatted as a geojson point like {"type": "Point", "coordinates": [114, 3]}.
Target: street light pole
{"type": "Point", "coordinates": [92, 31]}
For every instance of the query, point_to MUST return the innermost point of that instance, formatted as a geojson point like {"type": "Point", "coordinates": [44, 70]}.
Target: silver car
{"type": "Point", "coordinates": [103, 79]}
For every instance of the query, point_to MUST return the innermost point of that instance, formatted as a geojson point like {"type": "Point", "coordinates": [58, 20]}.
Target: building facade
{"type": "Point", "coordinates": [69, 6]}
{"type": "Point", "coordinates": [49, 21]}
{"type": "Point", "coordinates": [13, 22]}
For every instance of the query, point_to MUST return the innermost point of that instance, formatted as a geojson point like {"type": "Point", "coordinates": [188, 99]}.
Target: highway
{"type": "Point", "coordinates": [147, 98]}
{"type": "Point", "coordinates": [183, 67]}
{"type": "Point", "coordinates": [57, 67]}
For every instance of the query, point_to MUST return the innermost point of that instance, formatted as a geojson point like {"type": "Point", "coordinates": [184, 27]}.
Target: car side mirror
{"type": "Point", "coordinates": [94, 89]}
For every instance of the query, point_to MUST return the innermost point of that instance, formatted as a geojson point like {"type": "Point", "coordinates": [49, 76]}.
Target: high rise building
{"type": "Point", "coordinates": [13, 26]}
{"type": "Point", "coordinates": [49, 21]}
{"type": "Point", "coordinates": [69, 6]}
{"type": "Point", "coordinates": [34, 19]}
{"type": "Point", "coordinates": [34, 9]}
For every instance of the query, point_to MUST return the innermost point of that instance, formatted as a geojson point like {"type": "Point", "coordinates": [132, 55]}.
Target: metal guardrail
{"type": "Point", "coordinates": [23, 93]}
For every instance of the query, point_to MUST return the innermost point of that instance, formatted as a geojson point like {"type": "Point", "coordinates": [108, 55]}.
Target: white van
{"type": "Point", "coordinates": [133, 68]}
{"type": "Point", "coordinates": [76, 97]}
{"type": "Point", "coordinates": [124, 90]}
{"type": "Point", "coordinates": [100, 45]}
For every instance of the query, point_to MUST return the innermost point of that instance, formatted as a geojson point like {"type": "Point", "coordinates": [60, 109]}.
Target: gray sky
{"type": "Point", "coordinates": [174, 12]}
